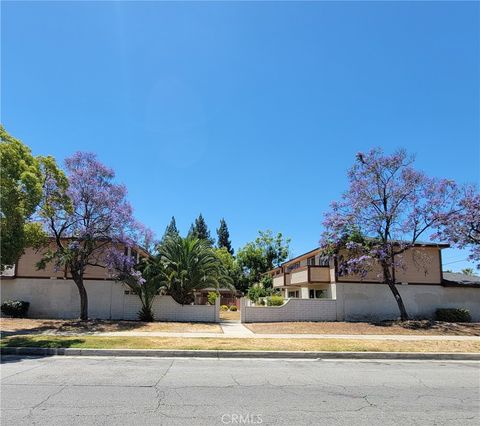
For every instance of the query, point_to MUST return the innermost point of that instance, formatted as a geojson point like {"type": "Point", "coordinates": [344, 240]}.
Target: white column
{"type": "Point", "coordinates": [340, 303]}
{"type": "Point", "coordinates": [243, 310]}
{"type": "Point", "coordinates": [217, 309]}
{"type": "Point", "coordinates": [304, 293]}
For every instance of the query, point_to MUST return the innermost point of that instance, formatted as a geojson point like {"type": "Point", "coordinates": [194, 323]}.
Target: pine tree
{"type": "Point", "coordinates": [224, 236]}
{"type": "Point", "coordinates": [199, 229]}
{"type": "Point", "coordinates": [170, 231]}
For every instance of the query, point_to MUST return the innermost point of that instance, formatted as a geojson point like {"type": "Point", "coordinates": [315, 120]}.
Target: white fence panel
{"type": "Point", "coordinates": [292, 310]}
{"type": "Point", "coordinates": [58, 298]}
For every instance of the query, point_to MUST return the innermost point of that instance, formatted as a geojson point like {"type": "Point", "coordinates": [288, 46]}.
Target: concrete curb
{"type": "Point", "coordinates": [167, 353]}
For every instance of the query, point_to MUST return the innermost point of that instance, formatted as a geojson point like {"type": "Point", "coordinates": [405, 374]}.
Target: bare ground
{"type": "Point", "coordinates": [414, 327]}
{"type": "Point", "coordinates": [230, 315]}
{"type": "Point", "coordinates": [10, 326]}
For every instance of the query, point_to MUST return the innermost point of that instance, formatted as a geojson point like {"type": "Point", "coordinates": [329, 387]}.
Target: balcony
{"type": "Point", "coordinates": [306, 275]}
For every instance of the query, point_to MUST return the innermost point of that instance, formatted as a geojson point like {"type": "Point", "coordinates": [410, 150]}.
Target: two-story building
{"type": "Point", "coordinates": [313, 275]}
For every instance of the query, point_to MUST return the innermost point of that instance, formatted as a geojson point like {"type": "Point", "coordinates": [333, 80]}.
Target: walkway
{"type": "Point", "coordinates": [235, 329]}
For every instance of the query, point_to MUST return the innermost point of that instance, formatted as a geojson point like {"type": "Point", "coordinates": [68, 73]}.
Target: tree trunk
{"type": "Point", "coordinates": [390, 281]}
{"type": "Point", "coordinates": [83, 298]}
{"type": "Point", "coordinates": [398, 298]}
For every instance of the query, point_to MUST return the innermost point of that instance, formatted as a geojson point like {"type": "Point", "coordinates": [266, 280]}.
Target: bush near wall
{"type": "Point", "coordinates": [212, 297]}
{"type": "Point", "coordinates": [15, 308]}
{"type": "Point", "coordinates": [275, 301]}
{"type": "Point", "coordinates": [453, 315]}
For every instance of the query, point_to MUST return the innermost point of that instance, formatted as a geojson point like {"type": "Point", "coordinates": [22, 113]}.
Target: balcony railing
{"type": "Point", "coordinates": [305, 275]}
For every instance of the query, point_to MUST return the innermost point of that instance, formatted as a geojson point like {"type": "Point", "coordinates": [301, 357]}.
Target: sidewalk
{"type": "Point", "coordinates": [239, 331]}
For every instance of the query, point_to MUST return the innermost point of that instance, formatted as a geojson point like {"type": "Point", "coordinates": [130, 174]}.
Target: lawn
{"type": "Point", "coordinates": [199, 343]}
{"type": "Point", "coordinates": [47, 326]}
{"type": "Point", "coordinates": [385, 327]}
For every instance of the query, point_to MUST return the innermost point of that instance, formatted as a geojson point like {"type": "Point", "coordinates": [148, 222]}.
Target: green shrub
{"type": "Point", "coordinates": [453, 315]}
{"type": "Point", "coordinates": [145, 314]}
{"type": "Point", "coordinates": [256, 292]}
{"type": "Point", "coordinates": [275, 300]}
{"type": "Point", "coordinates": [233, 308]}
{"type": "Point", "coordinates": [224, 308]}
{"type": "Point", "coordinates": [212, 297]}
{"type": "Point", "coordinates": [15, 308]}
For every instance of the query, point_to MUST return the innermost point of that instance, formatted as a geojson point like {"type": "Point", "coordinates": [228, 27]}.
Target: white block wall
{"type": "Point", "coordinates": [292, 310]}
{"type": "Point", "coordinates": [359, 301]}
{"type": "Point", "coordinates": [166, 309]}
{"type": "Point", "coordinates": [59, 298]}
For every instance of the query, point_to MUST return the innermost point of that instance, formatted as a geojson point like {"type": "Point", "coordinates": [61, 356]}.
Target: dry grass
{"type": "Point", "coordinates": [229, 315]}
{"type": "Point", "coordinates": [386, 327]}
{"type": "Point", "coordinates": [240, 344]}
{"type": "Point", "coordinates": [19, 325]}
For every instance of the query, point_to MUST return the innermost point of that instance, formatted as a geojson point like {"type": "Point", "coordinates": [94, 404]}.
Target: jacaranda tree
{"type": "Point", "coordinates": [388, 207]}
{"type": "Point", "coordinates": [144, 277]}
{"type": "Point", "coordinates": [88, 215]}
{"type": "Point", "coordinates": [462, 229]}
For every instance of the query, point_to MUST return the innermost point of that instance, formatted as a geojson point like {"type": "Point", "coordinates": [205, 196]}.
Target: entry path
{"type": "Point", "coordinates": [235, 329]}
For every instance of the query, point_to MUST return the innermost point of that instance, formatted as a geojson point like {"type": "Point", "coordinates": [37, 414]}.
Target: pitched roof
{"type": "Point", "coordinates": [456, 278]}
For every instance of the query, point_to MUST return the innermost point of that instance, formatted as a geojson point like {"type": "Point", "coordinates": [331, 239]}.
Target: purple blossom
{"type": "Point", "coordinates": [387, 208]}
{"type": "Point", "coordinates": [462, 228]}
{"type": "Point", "coordinates": [91, 211]}
{"type": "Point", "coordinates": [122, 267]}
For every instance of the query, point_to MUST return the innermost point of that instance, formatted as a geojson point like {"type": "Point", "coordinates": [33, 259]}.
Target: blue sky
{"type": "Point", "coordinates": [252, 111]}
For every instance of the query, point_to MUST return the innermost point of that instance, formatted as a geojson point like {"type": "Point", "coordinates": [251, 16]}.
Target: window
{"type": "Point", "coordinates": [293, 294]}
{"type": "Point", "coordinates": [311, 261]}
{"type": "Point", "coordinates": [317, 294]}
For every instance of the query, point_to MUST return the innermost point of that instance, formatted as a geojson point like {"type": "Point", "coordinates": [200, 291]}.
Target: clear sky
{"type": "Point", "coordinates": [248, 111]}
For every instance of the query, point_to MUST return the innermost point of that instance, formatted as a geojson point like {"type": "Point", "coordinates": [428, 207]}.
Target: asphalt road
{"type": "Point", "coordinates": [148, 391]}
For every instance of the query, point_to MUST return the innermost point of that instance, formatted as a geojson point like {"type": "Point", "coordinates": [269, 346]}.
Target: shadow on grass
{"type": "Point", "coordinates": [74, 326]}
{"type": "Point", "coordinates": [448, 328]}
{"type": "Point", "coordinates": [47, 342]}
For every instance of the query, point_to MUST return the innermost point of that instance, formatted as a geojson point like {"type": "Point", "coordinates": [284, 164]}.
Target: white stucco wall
{"type": "Point", "coordinates": [50, 298]}
{"type": "Point", "coordinates": [358, 301]}
{"type": "Point", "coordinates": [292, 310]}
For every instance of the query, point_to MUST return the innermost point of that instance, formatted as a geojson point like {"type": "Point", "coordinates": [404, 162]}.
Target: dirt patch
{"type": "Point", "coordinates": [385, 327]}
{"type": "Point", "coordinates": [48, 326]}
{"type": "Point", "coordinates": [230, 315]}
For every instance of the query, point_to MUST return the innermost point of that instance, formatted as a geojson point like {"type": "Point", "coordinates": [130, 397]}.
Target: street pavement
{"type": "Point", "coordinates": [156, 391]}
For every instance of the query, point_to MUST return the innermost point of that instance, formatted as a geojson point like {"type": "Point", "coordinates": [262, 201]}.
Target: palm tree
{"type": "Point", "coordinates": [190, 264]}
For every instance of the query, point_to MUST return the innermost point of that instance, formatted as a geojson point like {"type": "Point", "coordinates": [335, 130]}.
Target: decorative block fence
{"type": "Point", "coordinates": [58, 298]}
{"type": "Point", "coordinates": [292, 310]}
{"type": "Point", "coordinates": [166, 309]}
{"type": "Point", "coordinates": [368, 302]}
